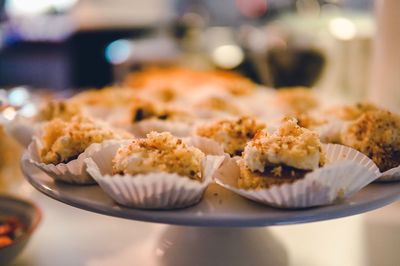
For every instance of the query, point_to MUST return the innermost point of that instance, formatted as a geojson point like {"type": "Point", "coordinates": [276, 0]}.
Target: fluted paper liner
{"type": "Point", "coordinates": [206, 145]}
{"type": "Point", "coordinates": [352, 154]}
{"type": "Point", "coordinates": [337, 152]}
{"type": "Point", "coordinates": [158, 190]}
{"type": "Point", "coordinates": [390, 175]}
{"type": "Point", "coordinates": [347, 171]}
{"type": "Point", "coordinates": [211, 147]}
{"type": "Point", "coordinates": [22, 130]}
{"type": "Point", "coordinates": [73, 172]}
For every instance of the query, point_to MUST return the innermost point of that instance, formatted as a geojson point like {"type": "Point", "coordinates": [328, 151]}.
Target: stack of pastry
{"type": "Point", "coordinates": [169, 125]}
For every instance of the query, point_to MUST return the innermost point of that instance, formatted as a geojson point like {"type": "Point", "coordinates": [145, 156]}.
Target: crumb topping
{"type": "Point", "coordinates": [64, 141]}
{"type": "Point", "coordinates": [232, 134]}
{"type": "Point", "coordinates": [352, 112]}
{"type": "Point", "coordinates": [107, 97]}
{"type": "Point", "coordinates": [377, 135]}
{"type": "Point", "coordinates": [159, 152]}
{"type": "Point", "coordinates": [310, 121]}
{"type": "Point", "coordinates": [297, 100]}
{"type": "Point", "coordinates": [219, 103]}
{"type": "Point", "coordinates": [290, 145]}
{"type": "Point", "coordinates": [63, 110]}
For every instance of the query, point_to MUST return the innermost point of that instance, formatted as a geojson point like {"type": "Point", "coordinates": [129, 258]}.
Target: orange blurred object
{"type": "Point", "coordinates": [183, 79]}
{"type": "Point", "coordinates": [10, 229]}
{"type": "Point", "coordinates": [5, 241]}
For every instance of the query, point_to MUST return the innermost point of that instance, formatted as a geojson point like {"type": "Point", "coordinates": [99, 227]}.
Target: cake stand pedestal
{"type": "Point", "coordinates": [194, 246]}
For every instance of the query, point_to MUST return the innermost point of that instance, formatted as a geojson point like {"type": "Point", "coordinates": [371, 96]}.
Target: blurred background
{"type": "Point", "coordinates": [55, 47]}
{"type": "Point", "coordinates": [64, 44]}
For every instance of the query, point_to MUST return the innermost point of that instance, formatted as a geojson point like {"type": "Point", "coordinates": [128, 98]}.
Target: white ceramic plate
{"type": "Point", "coordinates": [219, 207]}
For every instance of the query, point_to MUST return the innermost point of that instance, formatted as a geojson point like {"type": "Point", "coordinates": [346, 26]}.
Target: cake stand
{"type": "Point", "coordinates": [221, 227]}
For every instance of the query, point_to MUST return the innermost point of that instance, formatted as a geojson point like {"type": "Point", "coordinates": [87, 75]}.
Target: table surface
{"type": "Point", "coordinates": [70, 236]}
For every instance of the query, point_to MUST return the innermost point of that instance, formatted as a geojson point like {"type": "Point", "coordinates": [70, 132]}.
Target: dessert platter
{"type": "Point", "coordinates": [209, 148]}
{"type": "Point", "coordinates": [212, 149]}
{"type": "Point", "coordinates": [219, 207]}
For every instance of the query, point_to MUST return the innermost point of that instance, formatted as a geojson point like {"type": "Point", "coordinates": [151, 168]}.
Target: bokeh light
{"type": "Point", "coordinates": [18, 96]}
{"type": "Point", "coordinates": [342, 28]}
{"type": "Point", "coordinates": [228, 56]}
{"type": "Point", "coordinates": [9, 113]}
{"type": "Point", "coordinates": [34, 7]}
{"type": "Point", "coordinates": [118, 51]}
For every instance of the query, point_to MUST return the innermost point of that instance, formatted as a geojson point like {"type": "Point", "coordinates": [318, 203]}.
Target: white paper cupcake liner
{"type": "Point", "coordinates": [206, 145]}
{"type": "Point", "coordinates": [337, 152]}
{"type": "Point", "coordinates": [22, 130]}
{"type": "Point", "coordinates": [157, 190]}
{"type": "Point", "coordinates": [73, 172]}
{"type": "Point", "coordinates": [390, 175]}
{"type": "Point", "coordinates": [211, 147]}
{"type": "Point", "coordinates": [343, 176]}
{"type": "Point", "coordinates": [356, 156]}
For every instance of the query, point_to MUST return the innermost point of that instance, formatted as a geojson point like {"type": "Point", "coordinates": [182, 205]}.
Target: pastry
{"type": "Point", "coordinates": [329, 123]}
{"type": "Point", "coordinates": [351, 112]}
{"type": "Point", "coordinates": [63, 110]}
{"type": "Point", "coordinates": [218, 103]}
{"type": "Point", "coordinates": [296, 100]}
{"type": "Point", "coordinates": [283, 156]}
{"type": "Point", "coordinates": [159, 171]}
{"type": "Point", "coordinates": [159, 152]}
{"type": "Point", "coordinates": [63, 141]}
{"type": "Point", "coordinates": [184, 80]}
{"type": "Point", "coordinates": [377, 135]}
{"type": "Point", "coordinates": [110, 97]}
{"type": "Point", "coordinates": [231, 134]}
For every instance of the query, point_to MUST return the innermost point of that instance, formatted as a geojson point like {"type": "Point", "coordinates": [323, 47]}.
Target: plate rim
{"type": "Point", "coordinates": [226, 221]}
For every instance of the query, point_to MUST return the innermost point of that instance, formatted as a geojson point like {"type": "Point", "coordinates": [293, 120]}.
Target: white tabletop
{"type": "Point", "coordinates": [70, 236]}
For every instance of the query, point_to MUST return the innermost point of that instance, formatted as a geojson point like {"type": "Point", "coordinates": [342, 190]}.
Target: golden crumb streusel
{"type": "Point", "coordinates": [218, 103]}
{"type": "Point", "coordinates": [297, 100]}
{"type": "Point", "coordinates": [159, 152]}
{"type": "Point", "coordinates": [310, 121]}
{"type": "Point", "coordinates": [351, 112]}
{"type": "Point", "coordinates": [290, 145]}
{"type": "Point", "coordinates": [377, 135]}
{"type": "Point", "coordinates": [106, 97]}
{"type": "Point", "coordinates": [63, 110]}
{"type": "Point", "coordinates": [63, 141]}
{"type": "Point", "coordinates": [232, 134]}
